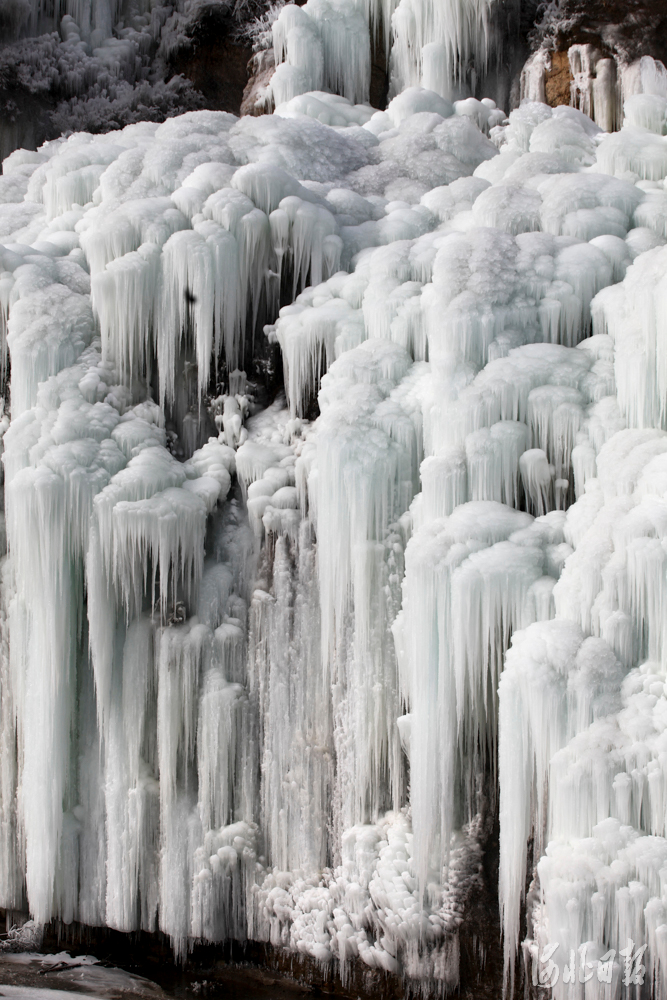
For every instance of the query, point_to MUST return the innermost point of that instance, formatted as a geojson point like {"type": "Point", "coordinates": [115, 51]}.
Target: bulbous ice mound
{"type": "Point", "coordinates": [214, 615]}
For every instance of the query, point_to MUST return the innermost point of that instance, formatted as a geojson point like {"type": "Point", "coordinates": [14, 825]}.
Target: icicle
{"type": "Point", "coordinates": [454, 358]}
{"type": "Point", "coordinates": [460, 28]}
{"type": "Point", "coordinates": [122, 296]}
{"type": "Point", "coordinates": [545, 698]}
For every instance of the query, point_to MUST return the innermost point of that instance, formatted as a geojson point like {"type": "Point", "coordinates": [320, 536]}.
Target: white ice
{"type": "Point", "coordinates": [261, 668]}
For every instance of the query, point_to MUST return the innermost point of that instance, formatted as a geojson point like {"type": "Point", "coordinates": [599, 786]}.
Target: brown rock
{"type": "Point", "coordinates": [558, 80]}
{"type": "Point", "coordinates": [260, 70]}
{"type": "Point", "coordinates": [627, 29]}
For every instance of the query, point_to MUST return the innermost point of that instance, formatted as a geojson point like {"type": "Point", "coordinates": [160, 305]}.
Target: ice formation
{"type": "Point", "coordinates": [93, 66]}
{"type": "Point", "coordinates": [605, 88]}
{"type": "Point", "coordinates": [267, 673]}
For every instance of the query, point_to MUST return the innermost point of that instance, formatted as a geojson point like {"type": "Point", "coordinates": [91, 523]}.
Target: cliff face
{"type": "Point", "coordinates": [520, 29]}
{"type": "Point", "coordinates": [582, 53]}
{"type": "Point", "coordinates": [218, 69]}
{"type": "Point", "coordinates": [58, 76]}
{"type": "Point", "coordinates": [212, 50]}
{"type": "Point", "coordinates": [626, 29]}
{"type": "Point", "coordinates": [201, 56]}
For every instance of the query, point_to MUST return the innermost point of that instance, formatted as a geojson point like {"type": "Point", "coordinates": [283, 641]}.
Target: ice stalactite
{"type": "Point", "coordinates": [433, 43]}
{"type": "Point", "coordinates": [605, 88]}
{"type": "Point", "coordinates": [594, 798]}
{"type": "Point", "coordinates": [445, 48]}
{"type": "Point", "coordinates": [321, 46]}
{"type": "Point", "coordinates": [47, 609]}
{"type": "Point", "coordinates": [263, 667]}
{"type": "Point", "coordinates": [449, 568]}
{"type": "Point", "coordinates": [296, 727]}
{"type": "Point", "coordinates": [364, 484]}
{"type": "Point", "coordinates": [99, 16]}
{"type": "Point", "coordinates": [555, 683]}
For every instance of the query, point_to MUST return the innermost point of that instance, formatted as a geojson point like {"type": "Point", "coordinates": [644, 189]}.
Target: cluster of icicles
{"type": "Point", "coordinates": [253, 693]}
{"type": "Point", "coordinates": [600, 84]}
{"type": "Point", "coordinates": [326, 45]}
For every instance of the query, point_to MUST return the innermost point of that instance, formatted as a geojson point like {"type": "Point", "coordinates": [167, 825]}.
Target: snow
{"type": "Point", "coordinates": [82, 975]}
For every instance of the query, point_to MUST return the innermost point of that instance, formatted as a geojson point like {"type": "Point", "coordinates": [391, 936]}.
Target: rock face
{"type": "Point", "coordinates": [151, 67]}
{"type": "Point", "coordinates": [25, 117]}
{"type": "Point", "coordinates": [588, 55]}
{"type": "Point", "coordinates": [213, 53]}
{"type": "Point", "coordinates": [218, 69]}
{"type": "Point", "coordinates": [205, 56]}
{"type": "Point", "coordinates": [558, 80]}
{"type": "Point", "coordinates": [261, 68]}
{"type": "Point", "coordinates": [627, 29]}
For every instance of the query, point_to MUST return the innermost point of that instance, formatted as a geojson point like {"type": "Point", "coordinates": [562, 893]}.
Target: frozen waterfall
{"type": "Point", "coordinates": [270, 667]}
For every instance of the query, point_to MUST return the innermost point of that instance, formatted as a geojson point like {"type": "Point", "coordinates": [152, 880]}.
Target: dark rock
{"type": "Point", "coordinates": [627, 29]}
{"type": "Point", "coordinates": [215, 58]}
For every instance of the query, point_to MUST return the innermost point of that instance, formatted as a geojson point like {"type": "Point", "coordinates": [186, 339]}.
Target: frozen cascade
{"type": "Point", "coordinates": [604, 88]}
{"type": "Point", "coordinates": [603, 819]}
{"type": "Point", "coordinates": [267, 673]}
{"type": "Point", "coordinates": [444, 47]}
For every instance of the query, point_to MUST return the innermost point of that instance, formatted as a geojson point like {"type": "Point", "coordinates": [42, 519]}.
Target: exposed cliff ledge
{"type": "Point", "coordinates": [626, 29]}
{"type": "Point", "coordinates": [202, 56]}
{"type": "Point", "coordinates": [211, 48]}
{"type": "Point", "coordinates": [152, 67]}
{"type": "Point", "coordinates": [590, 55]}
